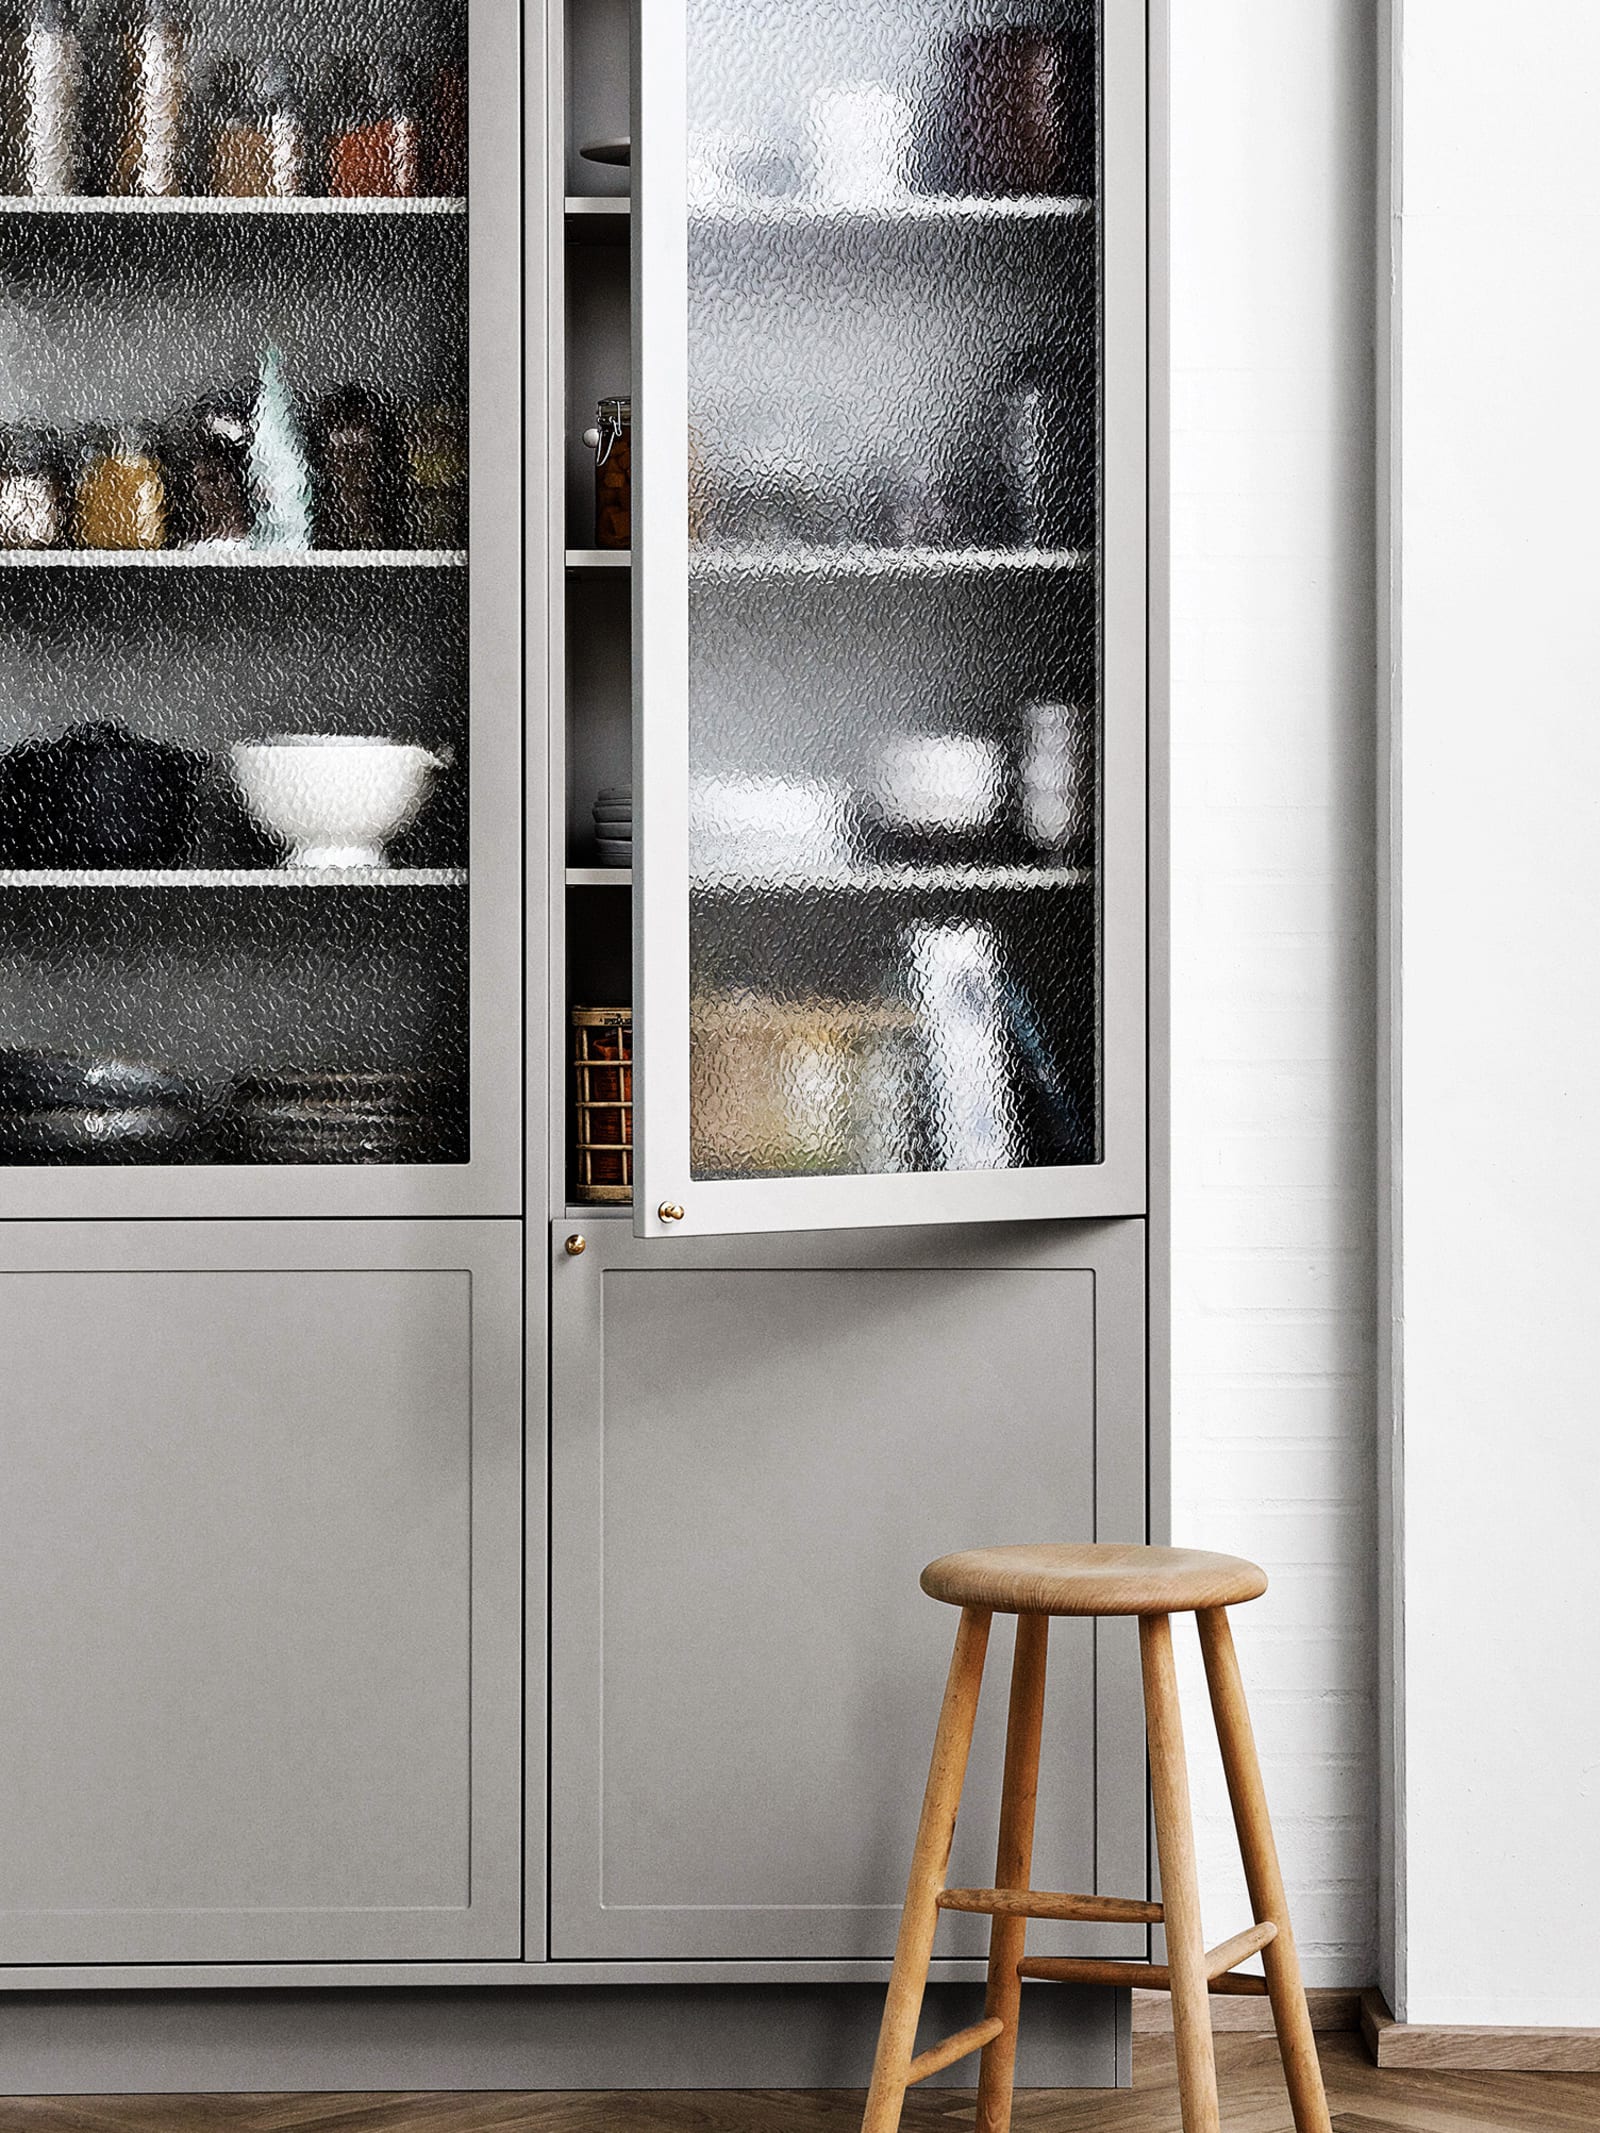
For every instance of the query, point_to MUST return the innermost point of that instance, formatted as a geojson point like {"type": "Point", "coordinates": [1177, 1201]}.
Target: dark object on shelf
{"type": "Point", "coordinates": [375, 149]}
{"type": "Point", "coordinates": [446, 173]}
{"type": "Point", "coordinates": [208, 465]}
{"type": "Point", "coordinates": [344, 1118]}
{"type": "Point", "coordinates": [356, 454]}
{"type": "Point", "coordinates": [617, 153]}
{"type": "Point", "coordinates": [602, 1108]}
{"type": "Point", "coordinates": [1047, 451]}
{"type": "Point", "coordinates": [1014, 113]}
{"type": "Point", "coordinates": [436, 466]}
{"type": "Point", "coordinates": [33, 495]}
{"type": "Point", "coordinates": [611, 441]}
{"type": "Point", "coordinates": [56, 1108]}
{"type": "Point", "coordinates": [97, 796]}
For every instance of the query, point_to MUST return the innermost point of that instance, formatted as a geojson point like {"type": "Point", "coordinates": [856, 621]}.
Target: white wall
{"type": "Point", "coordinates": [1497, 908]}
{"type": "Point", "coordinates": [1273, 748]}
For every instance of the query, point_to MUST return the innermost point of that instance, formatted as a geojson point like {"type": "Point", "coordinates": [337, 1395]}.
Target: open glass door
{"type": "Point", "coordinates": [890, 611]}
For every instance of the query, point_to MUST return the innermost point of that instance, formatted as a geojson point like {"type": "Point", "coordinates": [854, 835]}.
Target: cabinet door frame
{"type": "Point", "coordinates": [581, 1926]}
{"type": "Point", "coordinates": [1117, 1185]}
{"type": "Point", "coordinates": [496, 603]}
{"type": "Point", "coordinates": [489, 1926]}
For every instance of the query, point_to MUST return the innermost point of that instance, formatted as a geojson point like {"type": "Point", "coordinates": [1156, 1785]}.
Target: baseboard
{"type": "Point", "coordinates": [550, 2037]}
{"type": "Point", "coordinates": [1332, 2007]}
{"type": "Point", "coordinates": [1474, 2051]}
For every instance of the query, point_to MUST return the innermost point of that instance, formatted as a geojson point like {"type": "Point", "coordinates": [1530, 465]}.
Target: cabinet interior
{"type": "Point", "coordinates": [305, 951]}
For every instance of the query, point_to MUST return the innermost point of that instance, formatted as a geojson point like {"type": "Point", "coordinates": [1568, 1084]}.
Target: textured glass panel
{"type": "Point", "coordinates": [233, 649]}
{"type": "Point", "coordinates": [894, 717]}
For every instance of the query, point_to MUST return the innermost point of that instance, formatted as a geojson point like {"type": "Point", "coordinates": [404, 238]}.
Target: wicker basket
{"type": "Point", "coordinates": [602, 1113]}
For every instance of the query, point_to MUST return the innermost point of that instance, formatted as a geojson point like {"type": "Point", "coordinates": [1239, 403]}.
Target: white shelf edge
{"type": "Point", "coordinates": [902, 209]}
{"type": "Point", "coordinates": [908, 880]}
{"type": "Point", "coordinates": [599, 559]}
{"type": "Point", "coordinates": [233, 877]}
{"type": "Point", "coordinates": [581, 205]}
{"type": "Point", "coordinates": [599, 877]}
{"type": "Point", "coordinates": [233, 559]}
{"type": "Point", "coordinates": [861, 562]}
{"type": "Point", "coordinates": [208, 204]}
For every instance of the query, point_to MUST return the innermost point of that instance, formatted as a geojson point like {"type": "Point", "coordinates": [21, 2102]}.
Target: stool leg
{"type": "Point", "coordinates": [1180, 1888]}
{"type": "Point", "coordinates": [929, 1858]}
{"type": "Point", "coordinates": [1012, 1867]}
{"type": "Point", "coordinates": [1296, 2039]}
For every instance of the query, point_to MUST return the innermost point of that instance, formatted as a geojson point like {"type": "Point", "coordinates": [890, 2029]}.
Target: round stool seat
{"type": "Point", "coordinates": [1040, 1578]}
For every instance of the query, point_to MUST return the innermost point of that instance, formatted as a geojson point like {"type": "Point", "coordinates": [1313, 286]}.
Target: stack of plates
{"type": "Point", "coordinates": [613, 826]}
{"type": "Point", "coordinates": [55, 1108]}
{"type": "Point", "coordinates": [342, 1118]}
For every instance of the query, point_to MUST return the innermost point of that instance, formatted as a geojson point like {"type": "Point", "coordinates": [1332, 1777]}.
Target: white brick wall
{"type": "Point", "coordinates": [1273, 748]}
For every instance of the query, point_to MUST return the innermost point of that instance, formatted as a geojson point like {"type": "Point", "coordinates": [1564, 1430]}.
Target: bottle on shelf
{"type": "Point", "coordinates": [375, 148]}
{"type": "Point", "coordinates": [1056, 776]}
{"type": "Point", "coordinates": [1047, 450]}
{"type": "Point", "coordinates": [49, 101]}
{"type": "Point", "coordinates": [33, 500]}
{"type": "Point", "coordinates": [154, 104]}
{"type": "Point", "coordinates": [259, 147]}
{"type": "Point", "coordinates": [120, 497]}
{"type": "Point", "coordinates": [436, 466]}
{"type": "Point", "coordinates": [611, 441]}
{"type": "Point", "coordinates": [357, 456]}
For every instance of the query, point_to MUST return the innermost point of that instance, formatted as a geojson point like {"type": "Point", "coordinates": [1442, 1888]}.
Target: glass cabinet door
{"type": "Point", "coordinates": [890, 611]}
{"type": "Point", "coordinates": [259, 688]}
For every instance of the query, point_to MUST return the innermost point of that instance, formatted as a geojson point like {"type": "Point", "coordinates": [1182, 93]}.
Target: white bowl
{"type": "Point", "coordinates": [334, 800]}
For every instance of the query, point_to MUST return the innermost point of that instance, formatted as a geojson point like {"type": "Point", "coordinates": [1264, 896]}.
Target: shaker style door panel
{"type": "Point", "coordinates": [890, 613]}
{"type": "Point", "coordinates": [755, 1450]}
{"type": "Point", "coordinates": [261, 611]}
{"type": "Point", "coordinates": [260, 1580]}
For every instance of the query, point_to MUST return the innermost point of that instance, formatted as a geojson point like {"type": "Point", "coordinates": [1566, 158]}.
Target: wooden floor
{"type": "Point", "coordinates": [1363, 2100]}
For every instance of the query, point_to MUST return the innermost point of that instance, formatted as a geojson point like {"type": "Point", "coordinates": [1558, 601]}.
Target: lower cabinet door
{"type": "Point", "coordinates": [260, 1581]}
{"type": "Point", "coordinates": [757, 1444]}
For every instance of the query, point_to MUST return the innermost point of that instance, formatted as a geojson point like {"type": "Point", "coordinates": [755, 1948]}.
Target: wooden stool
{"type": "Point", "coordinates": [1034, 1583]}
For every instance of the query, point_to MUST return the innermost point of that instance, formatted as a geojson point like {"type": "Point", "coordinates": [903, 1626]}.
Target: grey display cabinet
{"type": "Point", "coordinates": [415, 1574]}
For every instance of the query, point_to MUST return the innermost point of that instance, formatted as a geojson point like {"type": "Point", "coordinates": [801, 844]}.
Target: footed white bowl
{"type": "Point", "coordinates": [335, 800]}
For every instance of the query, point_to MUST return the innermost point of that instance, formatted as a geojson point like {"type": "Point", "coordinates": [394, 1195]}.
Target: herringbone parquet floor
{"type": "Point", "coordinates": [1363, 2099]}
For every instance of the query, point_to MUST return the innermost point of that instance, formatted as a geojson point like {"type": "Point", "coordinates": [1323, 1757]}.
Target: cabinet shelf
{"type": "Point", "coordinates": [893, 213]}
{"type": "Point", "coordinates": [233, 559]}
{"type": "Point", "coordinates": [206, 204]}
{"type": "Point", "coordinates": [893, 881]}
{"type": "Point", "coordinates": [599, 220]}
{"type": "Point", "coordinates": [599, 877]}
{"type": "Point", "coordinates": [233, 877]}
{"type": "Point", "coordinates": [860, 561]}
{"type": "Point", "coordinates": [585, 559]}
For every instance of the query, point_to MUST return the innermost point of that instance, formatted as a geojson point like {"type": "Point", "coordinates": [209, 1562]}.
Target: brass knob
{"type": "Point", "coordinates": [575, 1245]}
{"type": "Point", "coordinates": [670, 1211]}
